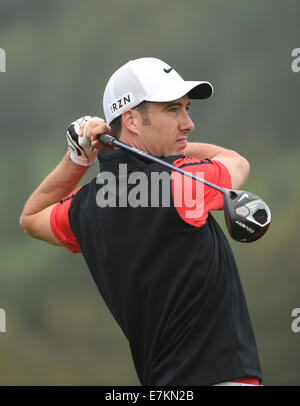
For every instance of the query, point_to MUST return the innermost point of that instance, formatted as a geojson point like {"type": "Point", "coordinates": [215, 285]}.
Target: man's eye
{"type": "Point", "coordinates": [173, 109]}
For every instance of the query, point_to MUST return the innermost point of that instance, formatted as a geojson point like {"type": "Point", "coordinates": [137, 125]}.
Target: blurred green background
{"type": "Point", "coordinates": [60, 55]}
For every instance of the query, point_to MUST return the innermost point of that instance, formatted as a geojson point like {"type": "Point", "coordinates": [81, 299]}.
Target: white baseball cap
{"type": "Point", "coordinates": [147, 79]}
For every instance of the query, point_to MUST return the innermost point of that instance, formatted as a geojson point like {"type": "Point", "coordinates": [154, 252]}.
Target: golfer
{"type": "Point", "coordinates": [164, 267]}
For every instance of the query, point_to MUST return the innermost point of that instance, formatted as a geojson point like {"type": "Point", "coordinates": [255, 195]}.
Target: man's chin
{"type": "Point", "coordinates": [180, 147]}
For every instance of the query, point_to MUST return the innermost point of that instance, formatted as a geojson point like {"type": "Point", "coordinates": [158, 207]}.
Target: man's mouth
{"type": "Point", "coordinates": [182, 140]}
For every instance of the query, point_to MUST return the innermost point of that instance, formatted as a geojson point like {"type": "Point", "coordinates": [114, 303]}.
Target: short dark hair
{"type": "Point", "coordinates": [116, 127]}
{"type": "Point", "coordinates": [116, 124]}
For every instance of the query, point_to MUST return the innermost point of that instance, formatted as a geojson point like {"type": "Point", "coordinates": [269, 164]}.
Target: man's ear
{"type": "Point", "coordinates": [130, 120]}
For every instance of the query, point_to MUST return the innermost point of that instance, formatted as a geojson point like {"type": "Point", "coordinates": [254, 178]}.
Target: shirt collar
{"type": "Point", "coordinates": [110, 160]}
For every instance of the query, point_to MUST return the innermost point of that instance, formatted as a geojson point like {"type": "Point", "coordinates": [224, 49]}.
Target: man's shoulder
{"type": "Point", "coordinates": [184, 162]}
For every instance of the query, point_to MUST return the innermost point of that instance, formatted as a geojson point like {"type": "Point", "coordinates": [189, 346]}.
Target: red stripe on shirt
{"type": "Point", "coordinates": [60, 225]}
{"type": "Point", "coordinates": [248, 380]}
{"type": "Point", "coordinates": [192, 199]}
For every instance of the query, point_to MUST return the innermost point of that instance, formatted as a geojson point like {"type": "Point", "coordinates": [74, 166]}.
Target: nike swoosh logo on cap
{"type": "Point", "coordinates": [168, 70]}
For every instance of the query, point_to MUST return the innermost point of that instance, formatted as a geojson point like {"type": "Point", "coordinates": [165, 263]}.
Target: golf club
{"type": "Point", "coordinates": [247, 216]}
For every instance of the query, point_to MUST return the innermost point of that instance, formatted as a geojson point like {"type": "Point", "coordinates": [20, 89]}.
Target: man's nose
{"type": "Point", "coordinates": [187, 124]}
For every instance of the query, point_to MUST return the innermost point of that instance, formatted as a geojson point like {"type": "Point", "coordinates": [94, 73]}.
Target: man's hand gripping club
{"type": "Point", "coordinates": [82, 140]}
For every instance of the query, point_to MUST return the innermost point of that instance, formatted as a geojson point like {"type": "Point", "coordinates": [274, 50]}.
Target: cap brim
{"type": "Point", "coordinates": [201, 91]}
{"type": "Point", "coordinates": [195, 90]}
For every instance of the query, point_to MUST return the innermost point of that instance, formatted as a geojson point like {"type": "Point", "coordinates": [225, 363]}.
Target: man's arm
{"type": "Point", "coordinates": [35, 218]}
{"type": "Point", "coordinates": [237, 165]}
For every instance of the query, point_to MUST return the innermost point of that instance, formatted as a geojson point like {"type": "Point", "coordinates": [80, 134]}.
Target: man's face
{"type": "Point", "coordinates": [164, 128]}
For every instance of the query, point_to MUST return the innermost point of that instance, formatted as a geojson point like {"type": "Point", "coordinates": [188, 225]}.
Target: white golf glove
{"type": "Point", "coordinates": [81, 151]}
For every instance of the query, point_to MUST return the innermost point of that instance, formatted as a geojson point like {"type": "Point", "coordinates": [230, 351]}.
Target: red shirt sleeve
{"type": "Point", "coordinates": [194, 200]}
{"type": "Point", "coordinates": [60, 225]}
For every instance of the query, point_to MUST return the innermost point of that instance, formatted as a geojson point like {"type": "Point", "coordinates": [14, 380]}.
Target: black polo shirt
{"type": "Point", "coordinates": [171, 283]}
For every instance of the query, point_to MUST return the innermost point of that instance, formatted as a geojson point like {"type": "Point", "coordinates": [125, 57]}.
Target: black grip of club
{"type": "Point", "coordinates": [107, 139]}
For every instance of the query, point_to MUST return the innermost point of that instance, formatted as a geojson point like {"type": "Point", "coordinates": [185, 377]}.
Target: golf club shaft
{"type": "Point", "coordinates": [112, 141]}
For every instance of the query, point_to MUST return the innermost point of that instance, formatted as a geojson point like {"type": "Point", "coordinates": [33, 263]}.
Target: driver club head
{"type": "Point", "coordinates": [247, 216]}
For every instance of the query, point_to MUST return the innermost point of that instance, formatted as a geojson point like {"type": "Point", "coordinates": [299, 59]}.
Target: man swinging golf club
{"type": "Point", "coordinates": [169, 278]}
